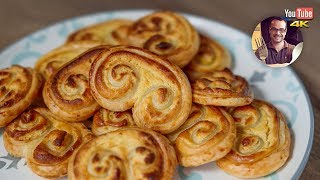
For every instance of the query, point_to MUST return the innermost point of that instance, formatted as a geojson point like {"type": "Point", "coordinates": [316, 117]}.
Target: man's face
{"type": "Point", "coordinates": [277, 31]}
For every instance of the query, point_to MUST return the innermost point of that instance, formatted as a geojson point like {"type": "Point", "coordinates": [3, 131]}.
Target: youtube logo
{"type": "Point", "coordinates": [304, 13]}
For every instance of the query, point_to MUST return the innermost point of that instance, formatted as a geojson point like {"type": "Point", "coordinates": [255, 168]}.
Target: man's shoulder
{"type": "Point", "coordinates": [291, 47]}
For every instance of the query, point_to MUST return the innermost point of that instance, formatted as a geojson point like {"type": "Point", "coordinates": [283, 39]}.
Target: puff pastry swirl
{"type": "Point", "coordinates": [221, 88]}
{"type": "Point", "coordinates": [45, 141]}
{"type": "Point", "coordinates": [210, 57]}
{"type": "Point", "coordinates": [263, 141]}
{"type": "Point", "coordinates": [112, 32]}
{"type": "Point", "coordinates": [19, 86]}
{"type": "Point", "coordinates": [49, 63]}
{"type": "Point", "coordinates": [167, 34]}
{"type": "Point", "coordinates": [128, 153]}
{"type": "Point", "coordinates": [158, 92]}
{"type": "Point", "coordinates": [105, 121]}
{"type": "Point", "coordinates": [206, 136]}
{"type": "Point", "coordinates": [67, 93]}
{"type": "Point", "coordinates": [28, 127]}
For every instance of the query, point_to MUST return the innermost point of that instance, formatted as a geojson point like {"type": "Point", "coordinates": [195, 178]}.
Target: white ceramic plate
{"type": "Point", "coordinates": [280, 86]}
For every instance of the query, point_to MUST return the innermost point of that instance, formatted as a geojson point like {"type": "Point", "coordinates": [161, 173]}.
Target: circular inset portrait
{"type": "Point", "coordinates": [276, 43]}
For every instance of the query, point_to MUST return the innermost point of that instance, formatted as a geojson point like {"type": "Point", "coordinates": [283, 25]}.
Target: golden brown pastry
{"type": "Point", "coordinates": [167, 34]}
{"type": "Point", "coordinates": [19, 86]}
{"type": "Point", "coordinates": [49, 63]}
{"type": "Point", "coordinates": [67, 93]}
{"type": "Point", "coordinates": [112, 32]}
{"type": "Point", "coordinates": [28, 127]}
{"type": "Point", "coordinates": [206, 136]}
{"type": "Point", "coordinates": [49, 158]}
{"type": "Point", "coordinates": [105, 121]}
{"type": "Point", "coordinates": [128, 153]}
{"type": "Point", "coordinates": [221, 88]}
{"type": "Point", "coordinates": [158, 92]}
{"type": "Point", "coordinates": [262, 144]}
{"type": "Point", "coordinates": [45, 141]}
{"type": "Point", "coordinates": [38, 101]}
{"type": "Point", "coordinates": [210, 57]}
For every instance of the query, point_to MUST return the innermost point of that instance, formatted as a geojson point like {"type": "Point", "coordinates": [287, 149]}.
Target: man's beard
{"type": "Point", "coordinates": [277, 38]}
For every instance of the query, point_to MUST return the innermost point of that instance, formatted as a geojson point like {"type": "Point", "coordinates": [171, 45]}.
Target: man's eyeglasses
{"type": "Point", "coordinates": [281, 30]}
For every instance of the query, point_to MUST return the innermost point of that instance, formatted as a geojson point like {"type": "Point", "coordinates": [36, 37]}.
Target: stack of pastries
{"type": "Point", "coordinates": [152, 93]}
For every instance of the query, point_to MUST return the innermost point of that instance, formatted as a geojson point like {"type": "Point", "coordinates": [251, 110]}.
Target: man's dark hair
{"type": "Point", "coordinates": [277, 18]}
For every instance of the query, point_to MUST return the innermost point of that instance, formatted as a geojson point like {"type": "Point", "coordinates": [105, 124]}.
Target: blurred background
{"type": "Point", "coordinates": [19, 18]}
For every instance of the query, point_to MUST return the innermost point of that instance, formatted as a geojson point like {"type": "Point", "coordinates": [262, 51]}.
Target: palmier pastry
{"type": "Point", "coordinates": [28, 127]}
{"type": "Point", "coordinates": [19, 86]}
{"type": "Point", "coordinates": [210, 57]}
{"type": "Point", "coordinates": [167, 34]}
{"type": "Point", "coordinates": [206, 136]}
{"type": "Point", "coordinates": [113, 32]}
{"type": "Point", "coordinates": [221, 88]}
{"type": "Point", "coordinates": [105, 121]}
{"type": "Point", "coordinates": [158, 92]}
{"type": "Point", "coordinates": [53, 60]}
{"type": "Point", "coordinates": [262, 144]}
{"type": "Point", "coordinates": [45, 141]}
{"type": "Point", "coordinates": [128, 153]}
{"type": "Point", "coordinates": [67, 93]}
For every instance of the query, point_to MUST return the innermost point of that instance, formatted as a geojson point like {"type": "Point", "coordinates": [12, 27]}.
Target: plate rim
{"type": "Point", "coordinates": [306, 155]}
